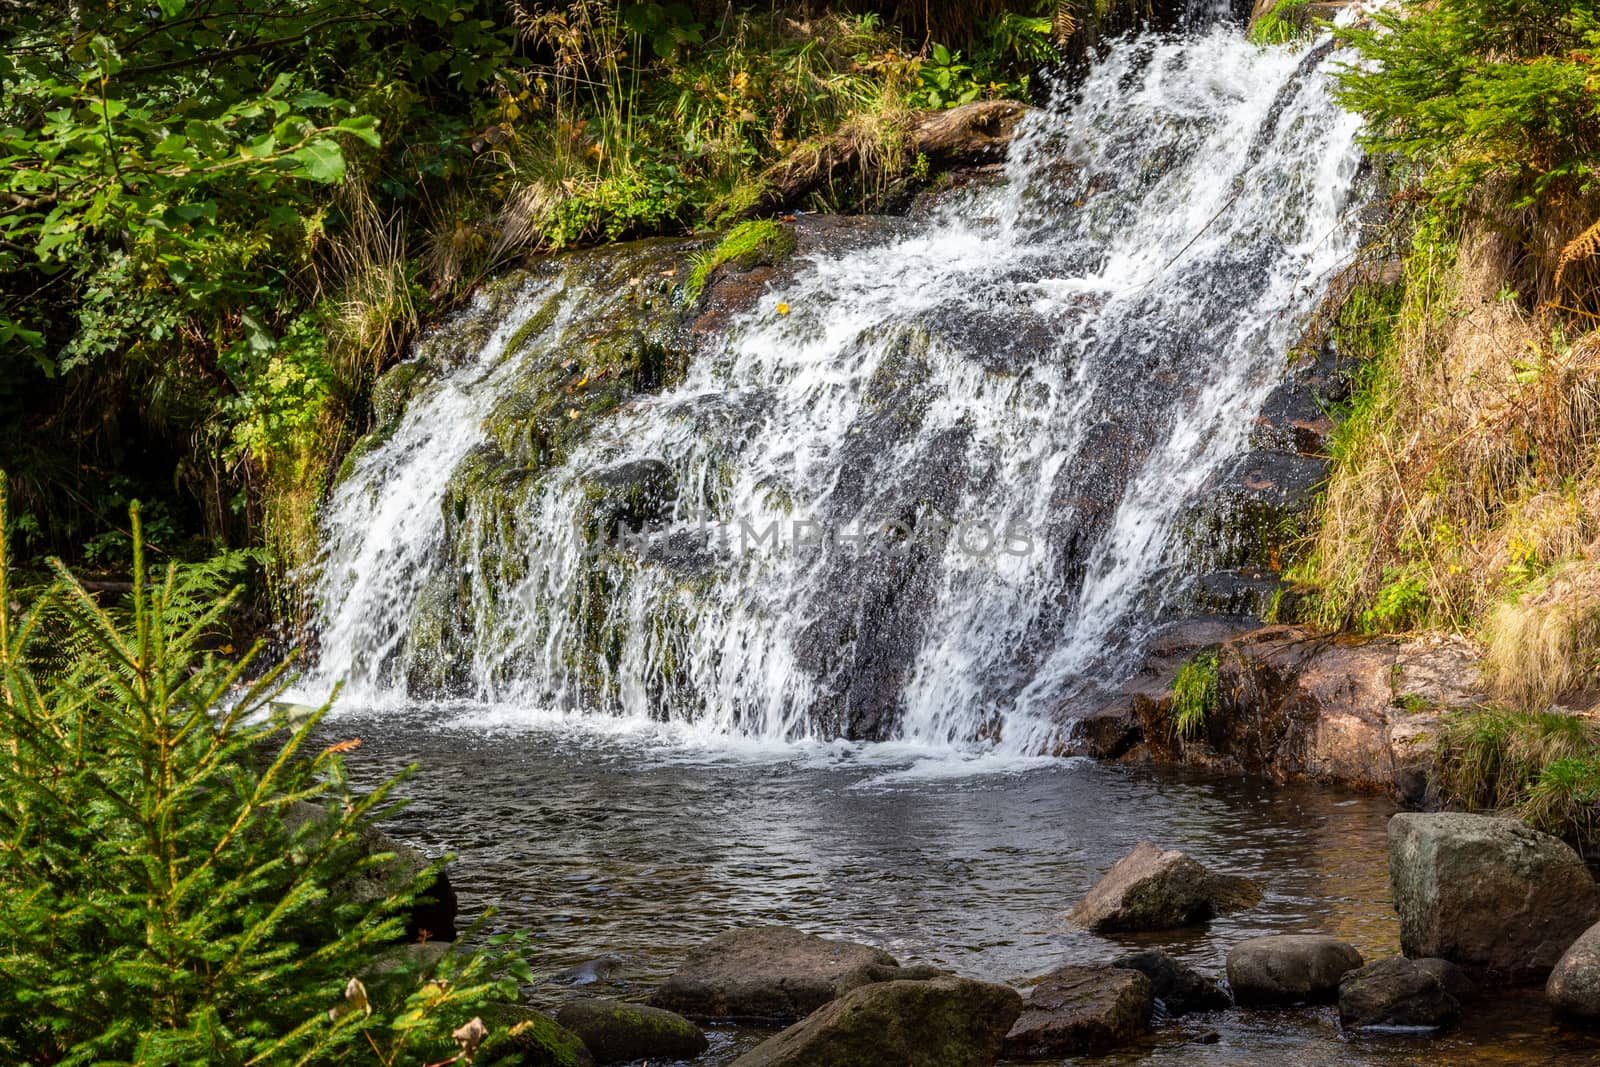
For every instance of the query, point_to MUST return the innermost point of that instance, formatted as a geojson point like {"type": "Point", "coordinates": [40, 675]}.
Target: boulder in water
{"type": "Point", "coordinates": [1179, 988]}
{"type": "Point", "coordinates": [1574, 985]}
{"type": "Point", "coordinates": [773, 973]}
{"type": "Point", "coordinates": [1289, 969]}
{"type": "Point", "coordinates": [1492, 895]}
{"type": "Point", "coordinates": [529, 1039]}
{"type": "Point", "coordinates": [1152, 889]}
{"type": "Point", "coordinates": [432, 917]}
{"type": "Point", "coordinates": [615, 1032]}
{"type": "Point", "coordinates": [1396, 992]}
{"type": "Point", "coordinates": [942, 1022]}
{"type": "Point", "coordinates": [1079, 1010]}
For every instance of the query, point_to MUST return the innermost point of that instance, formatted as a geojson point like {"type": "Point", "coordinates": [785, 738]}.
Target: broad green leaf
{"type": "Point", "coordinates": [321, 161]}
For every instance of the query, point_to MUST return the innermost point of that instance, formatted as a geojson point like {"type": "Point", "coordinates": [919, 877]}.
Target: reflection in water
{"type": "Point", "coordinates": [632, 847]}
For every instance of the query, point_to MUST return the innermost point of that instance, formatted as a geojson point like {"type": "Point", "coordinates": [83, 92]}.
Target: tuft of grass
{"type": "Point", "coordinates": [1283, 23]}
{"type": "Point", "coordinates": [1496, 758]}
{"type": "Point", "coordinates": [1547, 640]}
{"type": "Point", "coordinates": [1194, 694]}
{"type": "Point", "coordinates": [747, 245]}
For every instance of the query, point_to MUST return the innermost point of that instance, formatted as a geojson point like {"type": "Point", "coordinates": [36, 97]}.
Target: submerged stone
{"type": "Point", "coordinates": [1396, 992]}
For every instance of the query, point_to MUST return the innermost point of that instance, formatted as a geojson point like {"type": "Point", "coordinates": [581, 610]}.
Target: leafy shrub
{"type": "Point", "coordinates": [159, 908]}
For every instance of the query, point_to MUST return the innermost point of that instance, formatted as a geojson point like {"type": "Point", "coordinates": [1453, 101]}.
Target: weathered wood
{"type": "Point", "coordinates": [971, 133]}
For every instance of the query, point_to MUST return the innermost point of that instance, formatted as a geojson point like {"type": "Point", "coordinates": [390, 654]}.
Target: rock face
{"type": "Point", "coordinates": [1358, 712]}
{"type": "Point", "coordinates": [434, 914]}
{"type": "Point", "coordinates": [774, 973]}
{"type": "Point", "coordinates": [1152, 889]}
{"type": "Point", "coordinates": [1289, 969]}
{"type": "Point", "coordinates": [1396, 992]}
{"type": "Point", "coordinates": [615, 1032]}
{"type": "Point", "coordinates": [1179, 988]}
{"type": "Point", "coordinates": [941, 1022]}
{"type": "Point", "coordinates": [1077, 1010]}
{"type": "Point", "coordinates": [1574, 985]}
{"type": "Point", "coordinates": [1498, 898]}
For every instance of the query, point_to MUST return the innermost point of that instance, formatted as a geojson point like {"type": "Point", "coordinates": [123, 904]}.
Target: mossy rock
{"type": "Point", "coordinates": [622, 1033]}
{"type": "Point", "coordinates": [522, 1037]}
{"type": "Point", "coordinates": [758, 242]}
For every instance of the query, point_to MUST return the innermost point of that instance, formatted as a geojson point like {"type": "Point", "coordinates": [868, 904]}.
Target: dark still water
{"type": "Point", "coordinates": [631, 845]}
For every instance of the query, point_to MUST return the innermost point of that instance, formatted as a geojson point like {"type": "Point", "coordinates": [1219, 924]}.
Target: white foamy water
{"type": "Point", "coordinates": [1057, 367]}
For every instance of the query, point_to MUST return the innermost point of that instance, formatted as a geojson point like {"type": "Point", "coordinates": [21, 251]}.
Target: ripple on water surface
{"type": "Point", "coordinates": [639, 842]}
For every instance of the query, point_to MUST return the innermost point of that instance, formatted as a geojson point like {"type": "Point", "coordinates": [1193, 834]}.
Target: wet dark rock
{"type": "Point", "coordinates": [1180, 988]}
{"type": "Point", "coordinates": [1289, 969]}
{"type": "Point", "coordinates": [529, 1039]}
{"type": "Point", "coordinates": [770, 973]}
{"type": "Point", "coordinates": [431, 917]}
{"type": "Point", "coordinates": [1078, 1010]}
{"type": "Point", "coordinates": [944, 1022]}
{"type": "Point", "coordinates": [615, 1032]}
{"type": "Point", "coordinates": [629, 497]}
{"type": "Point", "coordinates": [1152, 889]}
{"type": "Point", "coordinates": [1453, 978]}
{"type": "Point", "coordinates": [1493, 895]}
{"type": "Point", "coordinates": [1574, 985]}
{"type": "Point", "coordinates": [1395, 992]}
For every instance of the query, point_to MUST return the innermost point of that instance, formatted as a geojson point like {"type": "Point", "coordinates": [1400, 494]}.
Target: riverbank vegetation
{"type": "Point", "coordinates": [224, 218]}
{"type": "Point", "coordinates": [1465, 491]}
{"type": "Point", "coordinates": [164, 903]}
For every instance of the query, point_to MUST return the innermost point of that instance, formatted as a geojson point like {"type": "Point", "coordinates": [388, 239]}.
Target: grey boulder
{"type": "Point", "coordinates": [1574, 985]}
{"type": "Point", "coordinates": [1496, 897]}
{"type": "Point", "coordinates": [1153, 889]}
{"type": "Point", "coordinates": [772, 974]}
{"type": "Point", "coordinates": [1289, 969]}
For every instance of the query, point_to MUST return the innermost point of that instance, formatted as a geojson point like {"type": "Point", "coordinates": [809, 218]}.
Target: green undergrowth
{"type": "Point", "coordinates": [167, 901]}
{"type": "Point", "coordinates": [1283, 23]}
{"type": "Point", "coordinates": [749, 244]}
{"type": "Point", "coordinates": [1542, 767]}
{"type": "Point", "coordinates": [1464, 493]}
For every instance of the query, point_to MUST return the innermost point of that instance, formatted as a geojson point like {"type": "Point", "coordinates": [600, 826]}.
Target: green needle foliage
{"type": "Point", "coordinates": [1475, 89]}
{"type": "Point", "coordinates": [158, 908]}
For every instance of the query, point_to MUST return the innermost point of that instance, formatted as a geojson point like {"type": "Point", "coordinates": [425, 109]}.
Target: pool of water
{"type": "Point", "coordinates": [630, 844]}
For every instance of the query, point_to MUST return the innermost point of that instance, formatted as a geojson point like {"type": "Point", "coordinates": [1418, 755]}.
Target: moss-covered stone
{"type": "Point", "coordinates": [616, 1032]}
{"type": "Point", "coordinates": [750, 244]}
{"type": "Point", "coordinates": [522, 1037]}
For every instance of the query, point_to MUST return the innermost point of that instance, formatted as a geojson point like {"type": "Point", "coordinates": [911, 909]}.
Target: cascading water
{"type": "Point", "coordinates": [937, 498]}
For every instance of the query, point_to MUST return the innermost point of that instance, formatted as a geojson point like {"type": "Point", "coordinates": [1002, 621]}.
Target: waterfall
{"type": "Point", "coordinates": [939, 495]}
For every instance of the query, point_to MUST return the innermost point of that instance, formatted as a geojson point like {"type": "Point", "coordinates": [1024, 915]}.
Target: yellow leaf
{"type": "Point", "coordinates": [783, 309]}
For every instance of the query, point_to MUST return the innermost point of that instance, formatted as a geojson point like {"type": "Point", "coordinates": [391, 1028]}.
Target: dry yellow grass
{"type": "Point", "coordinates": [1465, 492]}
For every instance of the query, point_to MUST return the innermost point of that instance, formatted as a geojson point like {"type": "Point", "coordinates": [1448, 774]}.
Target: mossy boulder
{"type": "Point", "coordinates": [615, 1032]}
{"type": "Point", "coordinates": [1493, 895]}
{"type": "Point", "coordinates": [522, 1037]}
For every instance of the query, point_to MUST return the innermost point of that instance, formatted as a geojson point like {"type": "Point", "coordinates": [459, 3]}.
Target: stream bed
{"type": "Point", "coordinates": [629, 842]}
